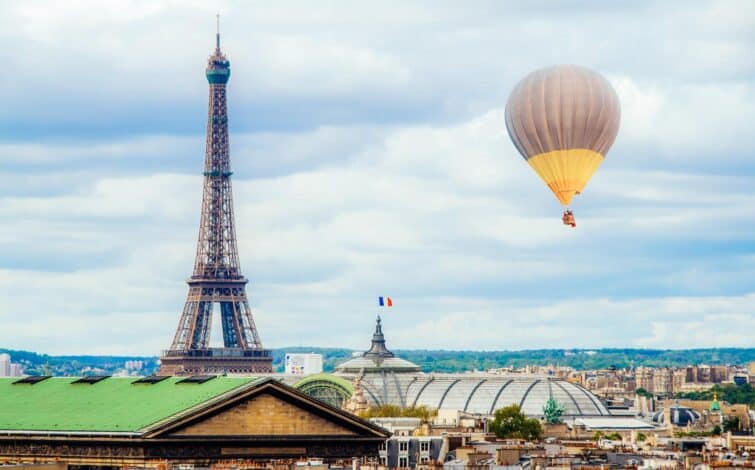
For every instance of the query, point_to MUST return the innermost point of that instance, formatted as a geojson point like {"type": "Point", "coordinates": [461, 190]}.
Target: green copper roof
{"type": "Point", "coordinates": [111, 405]}
{"type": "Point", "coordinates": [715, 405]}
{"type": "Point", "coordinates": [324, 377]}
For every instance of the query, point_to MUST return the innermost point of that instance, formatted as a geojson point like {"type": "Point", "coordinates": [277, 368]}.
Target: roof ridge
{"type": "Point", "coordinates": [253, 382]}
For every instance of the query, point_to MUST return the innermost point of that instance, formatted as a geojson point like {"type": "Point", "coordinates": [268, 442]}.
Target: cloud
{"type": "Point", "coordinates": [290, 62]}
{"type": "Point", "coordinates": [371, 158]}
{"type": "Point", "coordinates": [663, 323]}
{"type": "Point", "coordinates": [684, 126]}
{"type": "Point", "coordinates": [139, 67]}
{"type": "Point", "coordinates": [400, 212]}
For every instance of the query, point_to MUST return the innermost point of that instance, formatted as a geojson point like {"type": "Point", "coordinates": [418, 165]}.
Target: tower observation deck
{"type": "Point", "coordinates": [216, 283]}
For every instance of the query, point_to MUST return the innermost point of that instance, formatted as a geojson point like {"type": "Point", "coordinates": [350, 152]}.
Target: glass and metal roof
{"type": "Point", "coordinates": [114, 404]}
{"type": "Point", "coordinates": [483, 399]}
{"type": "Point", "coordinates": [390, 380]}
{"type": "Point", "coordinates": [480, 394]}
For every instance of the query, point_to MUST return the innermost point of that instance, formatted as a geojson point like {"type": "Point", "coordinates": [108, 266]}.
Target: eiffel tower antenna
{"type": "Point", "coordinates": [217, 278]}
{"type": "Point", "coordinates": [217, 32]}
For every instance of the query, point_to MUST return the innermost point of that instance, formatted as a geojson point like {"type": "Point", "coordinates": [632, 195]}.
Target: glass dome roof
{"type": "Point", "coordinates": [484, 395]}
{"type": "Point", "coordinates": [679, 415]}
{"type": "Point", "coordinates": [480, 394]}
{"type": "Point", "coordinates": [390, 380]}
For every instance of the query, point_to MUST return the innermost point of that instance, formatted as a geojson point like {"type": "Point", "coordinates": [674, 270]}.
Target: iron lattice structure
{"type": "Point", "coordinates": [217, 278]}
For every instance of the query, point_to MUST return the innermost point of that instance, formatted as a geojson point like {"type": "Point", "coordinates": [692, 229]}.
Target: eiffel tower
{"type": "Point", "coordinates": [217, 279]}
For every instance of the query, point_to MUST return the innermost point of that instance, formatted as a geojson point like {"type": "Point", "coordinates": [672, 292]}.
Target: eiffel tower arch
{"type": "Point", "coordinates": [216, 279]}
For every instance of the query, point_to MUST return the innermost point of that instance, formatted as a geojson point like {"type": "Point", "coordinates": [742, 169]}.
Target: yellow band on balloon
{"type": "Point", "coordinates": [566, 172]}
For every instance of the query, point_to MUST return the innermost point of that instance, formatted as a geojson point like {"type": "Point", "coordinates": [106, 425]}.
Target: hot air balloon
{"type": "Point", "coordinates": [563, 120]}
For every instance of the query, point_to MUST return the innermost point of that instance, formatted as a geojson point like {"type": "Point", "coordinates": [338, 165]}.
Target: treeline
{"type": "Point", "coordinates": [730, 393]}
{"type": "Point", "coordinates": [457, 361]}
{"type": "Point", "coordinates": [460, 361]}
{"type": "Point", "coordinates": [422, 412]}
{"type": "Point", "coordinates": [432, 360]}
{"type": "Point", "coordinates": [42, 364]}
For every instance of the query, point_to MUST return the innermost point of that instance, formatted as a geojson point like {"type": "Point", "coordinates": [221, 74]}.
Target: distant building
{"type": "Point", "coordinates": [644, 378]}
{"type": "Point", "coordinates": [663, 380]}
{"type": "Point", "coordinates": [4, 365]}
{"type": "Point", "coordinates": [667, 381]}
{"type": "Point", "coordinates": [411, 451]}
{"type": "Point", "coordinates": [134, 365]}
{"type": "Point", "coordinates": [16, 370]}
{"type": "Point", "coordinates": [677, 415]}
{"type": "Point", "coordinates": [740, 379]}
{"type": "Point", "coordinates": [9, 369]}
{"type": "Point", "coordinates": [406, 449]}
{"type": "Point", "coordinates": [303, 364]}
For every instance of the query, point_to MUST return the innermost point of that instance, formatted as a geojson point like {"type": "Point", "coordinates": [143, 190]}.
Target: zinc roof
{"type": "Point", "coordinates": [112, 405]}
{"type": "Point", "coordinates": [358, 364]}
{"type": "Point", "coordinates": [613, 423]}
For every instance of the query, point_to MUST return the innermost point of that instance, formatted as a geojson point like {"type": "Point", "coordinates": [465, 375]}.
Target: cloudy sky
{"type": "Point", "coordinates": [371, 158]}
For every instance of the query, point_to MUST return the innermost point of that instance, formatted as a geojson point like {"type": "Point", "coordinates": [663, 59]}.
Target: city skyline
{"type": "Point", "coordinates": [369, 162]}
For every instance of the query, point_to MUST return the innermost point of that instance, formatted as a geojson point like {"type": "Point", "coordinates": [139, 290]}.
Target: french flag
{"type": "Point", "coordinates": [385, 302]}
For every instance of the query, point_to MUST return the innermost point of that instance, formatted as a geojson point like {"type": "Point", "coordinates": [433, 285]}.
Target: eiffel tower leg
{"type": "Point", "coordinates": [230, 328]}
{"type": "Point", "coordinates": [248, 329]}
{"type": "Point", "coordinates": [201, 337]}
{"type": "Point", "coordinates": [185, 326]}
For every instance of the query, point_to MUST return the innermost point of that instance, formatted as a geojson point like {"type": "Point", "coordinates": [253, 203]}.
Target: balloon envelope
{"type": "Point", "coordinates": [563, 120]}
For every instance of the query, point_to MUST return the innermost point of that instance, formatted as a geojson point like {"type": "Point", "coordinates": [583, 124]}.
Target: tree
{"type": "Point", "coordinates": [731, 424]}
{"type": "Point", "coordinates": [729, 393]}
{"type": "Point", "coordinates": [716, 430]}
{"type": "Point", "coordinates": [641, 437]}
{"type": "Point", "coordinates": [643, 393]}
{"type": "Point", "coordinates": [422, 412]}
{"type": "Point", "coordinates": [510, 422]}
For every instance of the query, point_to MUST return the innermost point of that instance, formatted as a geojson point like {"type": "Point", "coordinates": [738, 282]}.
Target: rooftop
{"type": "Point", "coordinates": [109, 405]}
{"type": "Point", "coordinates": [377, 358]}
{"type": "Point", "coordinates": [609, 423]}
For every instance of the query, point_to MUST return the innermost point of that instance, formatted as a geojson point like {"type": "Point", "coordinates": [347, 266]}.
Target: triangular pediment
{"type": "Point", "coordinates": [264, 415]}
{"type": "Point", "coordinates": [267, 410]}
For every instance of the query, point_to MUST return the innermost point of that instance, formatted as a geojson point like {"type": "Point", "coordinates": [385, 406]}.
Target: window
{"type": "Point", "coordinates": [384, 461]}
{"type": "Point", "coordinates": [424, 446]}
{"type": "Point", "coordinates": [403, 446]}
{"type": "Point", "coordinates": [384, 445]}
{"type": "Point", "coordinates": [403, 462]}
{"type": "Point", "coordinates": [423, 460]}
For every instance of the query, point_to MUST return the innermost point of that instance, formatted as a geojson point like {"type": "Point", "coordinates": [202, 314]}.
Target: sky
{"type": "Point", "coordinates": [370, 158]}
